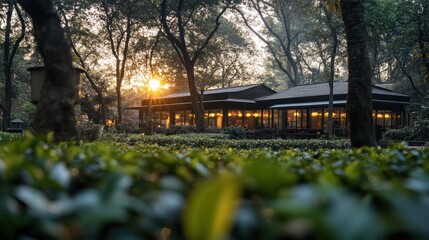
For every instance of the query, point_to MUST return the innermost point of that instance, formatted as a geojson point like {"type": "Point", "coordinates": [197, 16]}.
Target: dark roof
{"type": "Point", "coordinates": [322, 89]}
{"type": "Point", "coordinates": [214, 91]}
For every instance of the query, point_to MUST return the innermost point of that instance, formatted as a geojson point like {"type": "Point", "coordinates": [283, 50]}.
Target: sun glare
{"type": "Point", "coordinates": [154, 84]}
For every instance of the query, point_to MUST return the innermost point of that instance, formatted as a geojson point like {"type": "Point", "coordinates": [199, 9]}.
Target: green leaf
{"type": "Point", "coordinates": [211, 208]}
{"type": "Point", "coordinates": [60, 174]}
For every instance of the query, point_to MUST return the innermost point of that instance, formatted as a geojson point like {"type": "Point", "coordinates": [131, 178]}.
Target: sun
{"type": "Point", "coordinates": [154, 84]}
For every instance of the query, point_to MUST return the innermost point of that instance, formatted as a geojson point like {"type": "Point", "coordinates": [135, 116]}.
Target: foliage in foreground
{"type": "Point", "coordinates": [121, 191]}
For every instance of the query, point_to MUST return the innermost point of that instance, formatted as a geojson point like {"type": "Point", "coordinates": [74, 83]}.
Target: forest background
{"type": "Point", "coordinates": [123, 44]}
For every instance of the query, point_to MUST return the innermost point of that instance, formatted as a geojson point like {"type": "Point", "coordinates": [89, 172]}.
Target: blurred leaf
{"type": "Point", "coordinates": [413, 214]}
{"type": "Point", "coordinates": [351, 219]}
{"type": "Point", "coordinates": [419, 181]}
{"type": "Point", "coordinates": [60, 174]}
{"type": "Point", "coordinates": [256, 177]}
{"type": "Point", "coordinates": [33, 198]}
{"type": "Point", "coordinates": [211, 208]}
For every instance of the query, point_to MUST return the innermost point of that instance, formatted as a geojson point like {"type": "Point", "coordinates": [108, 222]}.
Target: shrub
{"type": "Point", "coordinates": [175, 130]}
{"type": "Point", "coordinates": [7, 137]}
{"type": "Point", "coordinates": [127, 128]}
{"type": "Point", "coordinates": [235, 132]}
{"type": "Point", "coordinates": [419, 131]}
{"type": "Point", "coordinates": [88, 131]}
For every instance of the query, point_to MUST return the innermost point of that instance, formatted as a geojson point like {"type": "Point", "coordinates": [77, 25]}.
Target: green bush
{"type": "Point", "coordinates": [114, 190]}
{"type": "Point", "coordinates": [419, 131]}
{"type": "Point", "coordinates": [128, 127]}
{"type": "Point", "coordinates": [235, 132]}
{"type": "Point", "coordinates": [88, 131]}
{"type": "Point", "coordinates": [7, 137]}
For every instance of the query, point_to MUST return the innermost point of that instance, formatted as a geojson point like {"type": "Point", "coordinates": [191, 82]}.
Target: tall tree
{"type": "Point", "coordinates": [180, 20]}
{"type": "Point", "coordinates": [98, 88]}
{"type": "Point", "coordinates": [119, 27]}
{"type": "Point", "coordinates": [330, 67]}
{"type": "Point", "coordinates": [359, 99]}
{"type": "Point", "coordinates": [9, 53]}
{"type": "Point", "coordinates": [55, 110]}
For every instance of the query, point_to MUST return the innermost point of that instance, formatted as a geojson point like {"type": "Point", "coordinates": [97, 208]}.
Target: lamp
{"type": "Point", "coordinates": [38, 74]}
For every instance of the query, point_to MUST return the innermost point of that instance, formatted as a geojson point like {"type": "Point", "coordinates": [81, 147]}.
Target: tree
{"type": "Point", "coordinates": [96, 85]}
{"type": "Point", "coordinates": [282, 25]}
{"type": "Point", "coordinates": [55, 110]}
{"type": "Point", "coordinates": [399, 43]}
{"type": "Point", "coordinates": [118, 25]}
{"type": "Point", "coordinates": [180, 22]}
{"type": "Point", "coordinates": [9, 53]}
{"type": "Point", "coordinates": [225, 60]}
{"type": "Point", "coordinates": [333, 29]}
{"type": "Point", "coordinates": [359, 99]}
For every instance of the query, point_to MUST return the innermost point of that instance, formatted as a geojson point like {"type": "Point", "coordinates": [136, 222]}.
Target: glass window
{"type": "Point", "coordinates": [266, 118]}
{"type": "Point", "coordinates": [316, 115]}
{"type": "Point", "coordinates": [179, 118]}
{"type": "Point", "coordinates": [165, 119]}
{"type": "Point", "coordinates": [189, 118]}
{"type": "Point", "coordinates": [235, 118]}
{"type": "Point", "coordinates": [292, 116]}
{"type": "Point", "coordinates": [276, 119]}
{"type": "Point", "coordinates": [297, 118]}
{"type": "Point", "coordinates": [214, 118]}
{"type": "Point", "coordinates": [249, 119]}
{"type": "Point", "coordinates": [384, 118]}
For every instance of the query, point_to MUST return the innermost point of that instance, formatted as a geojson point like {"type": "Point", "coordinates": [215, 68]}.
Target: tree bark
{"type": "Point", "coordinates": [359, 99]}
{"type": "Point", "coordinates": [55, 109]}
{"type": "Point", "coordinates": [8, 56]}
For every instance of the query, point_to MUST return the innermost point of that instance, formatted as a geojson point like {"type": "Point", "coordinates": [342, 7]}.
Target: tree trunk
{"type": "Point", "coordinates": [359, 99]}
{"type": "Point", "coordinates": [7, 69]}
{"type": "Point", "coordinates": [8, 56]}
{"type": "Point", "coordinates": [55, 110]}
{"type": "Point", "coordinates": [334, 34]}
{"type": "Point", "coordinates": [197, 104]}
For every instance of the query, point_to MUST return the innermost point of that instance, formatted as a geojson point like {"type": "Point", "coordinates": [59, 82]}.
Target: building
{"type": "Point", "coordinates": [300, 111]}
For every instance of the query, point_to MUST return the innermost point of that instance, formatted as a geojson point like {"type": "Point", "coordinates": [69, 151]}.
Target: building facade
{"type": "Point", "coordinates": [300, 111]}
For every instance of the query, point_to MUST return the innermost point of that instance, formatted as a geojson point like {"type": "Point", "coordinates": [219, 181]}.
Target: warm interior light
{"type": "Point", "coordinates": [211, 115]}
{"type": "Point", "coordinates": [387, 115]}
{"type": "Point", "coordinates": [154, 84]}
{"type": "Point", "coordinates": [379, 115]}
{"type": "Point", "coordinates": [110, 122]}
{"type": "Point", "coordinates": [240, 114]}
{"type": "Point", "coordinates": [229, 114]}
{"type": "Point", "coordinates": [314, 114]}
{"type": "Point", "coordinates": [256, 115]}
{"type": "Point", "coordinates": [248, 114]}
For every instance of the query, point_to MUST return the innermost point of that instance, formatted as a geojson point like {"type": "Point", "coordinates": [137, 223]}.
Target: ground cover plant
{"type": "Point", "coordinates": [138, 190]}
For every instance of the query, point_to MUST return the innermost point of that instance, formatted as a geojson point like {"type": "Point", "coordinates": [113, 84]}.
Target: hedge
{"type": "Point", "coordinates": [211, 140]}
